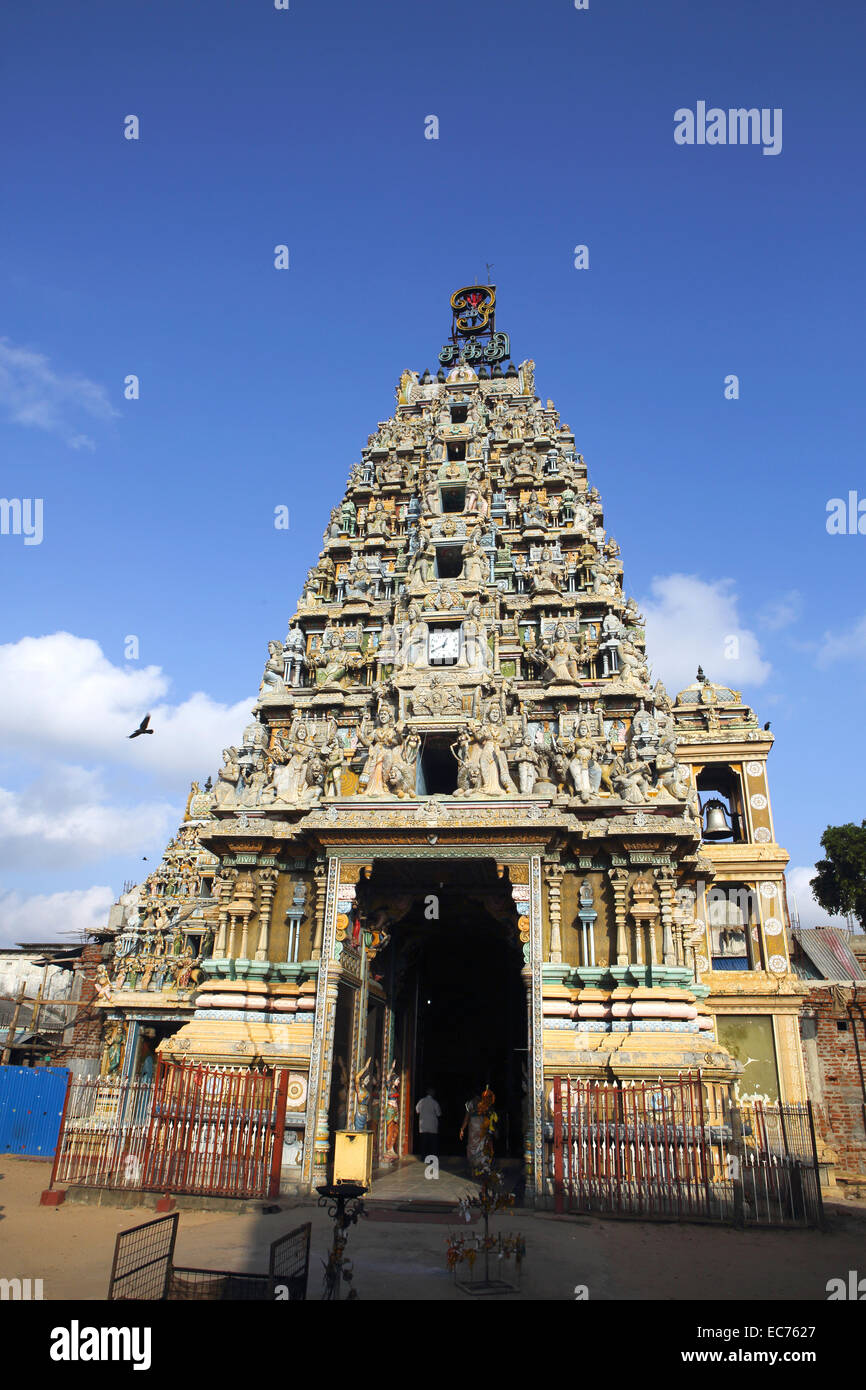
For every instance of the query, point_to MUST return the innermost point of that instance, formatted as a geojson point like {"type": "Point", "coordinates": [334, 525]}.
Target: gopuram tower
{"type": "Point", "coordinates": [458, 844]}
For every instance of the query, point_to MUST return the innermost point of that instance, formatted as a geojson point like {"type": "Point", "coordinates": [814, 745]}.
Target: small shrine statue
{"type": "Point", "coordinates": [227, 778]}
{"type": "Point", "coordinates": [563, 658]}
{"type": "Point", "coordinates": [273, 674]}
{"type": "Point", "coordinates": [362, 1096]}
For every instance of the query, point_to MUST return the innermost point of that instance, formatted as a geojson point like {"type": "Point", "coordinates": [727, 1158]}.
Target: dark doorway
{"type": "Point", "coordinates": [438, 773]}
{"type": "Point", "coordinates": [452, 971]}
{"type": "Point", "coordinates": [471, 1024]}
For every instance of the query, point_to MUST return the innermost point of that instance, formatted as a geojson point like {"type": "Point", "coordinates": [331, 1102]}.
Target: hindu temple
{"type": "Point", "coordinates": [467, 839]}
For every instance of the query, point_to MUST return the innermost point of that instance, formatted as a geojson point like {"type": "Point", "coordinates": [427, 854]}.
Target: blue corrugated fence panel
{"type": "Point", "coordinates": [31, 1104]}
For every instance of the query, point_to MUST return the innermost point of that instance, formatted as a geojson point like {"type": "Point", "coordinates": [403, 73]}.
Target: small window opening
{"type": "Point", "coordinates": [437, 774]}
{"type": "Point", "coordinates": [449, 562]}
{"type": "Point", "coordinates": [453, 499]}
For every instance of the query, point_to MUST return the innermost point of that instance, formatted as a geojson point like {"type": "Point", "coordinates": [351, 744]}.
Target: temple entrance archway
{"type": "Point", "coordinates": [453, 1001]}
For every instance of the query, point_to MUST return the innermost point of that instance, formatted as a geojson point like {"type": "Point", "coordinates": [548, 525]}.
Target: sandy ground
{"type": "Point", "coordinates": [70, 1248]}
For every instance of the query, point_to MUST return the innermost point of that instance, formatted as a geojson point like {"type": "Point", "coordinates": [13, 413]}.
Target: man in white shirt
{"type": "Point", "coordinates": [428, 1111]}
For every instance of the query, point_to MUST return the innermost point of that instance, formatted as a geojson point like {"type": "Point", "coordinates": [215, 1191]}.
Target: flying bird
{"type": "Point", "coordinates": [142, 728]}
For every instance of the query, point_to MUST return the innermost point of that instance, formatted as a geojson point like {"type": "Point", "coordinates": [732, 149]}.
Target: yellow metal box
{"type": "Point", "coordinates": [353, 1156]}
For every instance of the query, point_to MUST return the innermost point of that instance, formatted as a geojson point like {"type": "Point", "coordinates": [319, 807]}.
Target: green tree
{"type": "Point", "coordinates": [840, 883]}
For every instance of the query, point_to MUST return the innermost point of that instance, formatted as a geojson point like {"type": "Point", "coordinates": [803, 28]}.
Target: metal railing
{"type": "Point", "coordinates": [143, 1269]}
{"type": "Point", "coordinates": [195, 1129]}
{"type": "Point", "coordinates": [682, 1150]}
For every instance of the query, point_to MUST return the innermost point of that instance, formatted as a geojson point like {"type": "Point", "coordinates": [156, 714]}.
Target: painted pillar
{"type": "Point", "coordinates": [359, 1050]}
{"type": "Point", "coordinates": [320, 878]}
{"type": "Point", "coordinates": [619, 882]}
{"type": "Point", "coordinates": [789, 1057]}
{"type": "Point", "coordinates": [267, 889]}
{"type": "Point", "coordinates": [553, 874]}
{"type": "Point", "coordinates": [666, 884]}
{"type": "Point", "coordinates": [129, 1050]}
{"type": "Point", "coordinates": [535, 1176]}
{"type": "Point", "coordinates": [226, 883]}
{"type": "Point", "coordinates": [519, 877]}
{"type": "Point", "coordinates": [316, 1134]}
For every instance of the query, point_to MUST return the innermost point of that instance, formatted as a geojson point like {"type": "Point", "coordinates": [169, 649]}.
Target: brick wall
{"type": "Point", "coordinates": [87, 1032]}
{"type": "Point", "coordinates": [841, 1103]}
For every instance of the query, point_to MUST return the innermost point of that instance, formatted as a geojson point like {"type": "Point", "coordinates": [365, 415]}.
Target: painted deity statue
{"type": "Point", "coordinates": [273, 674]}
{"type": "Point", "coordinates": [474, 562]}
{"type": "Point", "coordinates": [392, 1112]}
{"type": "Point", "coordinates": [527, 762]}
{"type": "Point", "coordinates": [563, 658]}
{"type": "Point", "coordinates": [475, 651]}
{"type": "Point", "coordinates": [492, 740]}
{"type": "Point", "coordinates": [385, 771]}
{"type": "Point", "coordinates": [225, 790]}
{"type": "Point", "coordinates": [294, 756]}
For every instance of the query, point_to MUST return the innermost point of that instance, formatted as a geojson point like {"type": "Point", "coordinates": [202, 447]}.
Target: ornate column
{"type": "Point", "coordinates": [587, 914]}
{"type": "Point", "coordinates": [225, 886]}
{"type": "Point", "coordinates": [665, 882]}
{"type": "Point", "coordinates": [644, 911]}
{"type": "Point", "coordinates": [553, 875]}
{"type": "Point", "coordinates": [267, 888]}
{"type": "Point", "coordinates": [619, 883]}
{"type": "Point", "coordinates": [535, 1173]}
{"type": "Point", "coordinates": [684, 919]}
{"type": "Point", "coordinates": [320, 873]}
{"type": "Point", "coordinates": [294, 917]}
{"type": "Point", "coordinates": [316, 1133]}
{"type": "Point", "coordinates": [518, 875]}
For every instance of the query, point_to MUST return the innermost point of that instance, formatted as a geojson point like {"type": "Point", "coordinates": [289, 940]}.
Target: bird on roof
{"type": "Point", "coordinates": [142, 728]}
{"type": "Point", "coordinates": [767, 725]}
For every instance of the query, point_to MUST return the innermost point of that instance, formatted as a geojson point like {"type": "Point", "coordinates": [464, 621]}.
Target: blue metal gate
{"type": "Point", "coordinates": [31, 1106]}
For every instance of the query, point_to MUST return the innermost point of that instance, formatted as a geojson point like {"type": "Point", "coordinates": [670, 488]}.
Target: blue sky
{"type": "Point", "coordinates": [258, 387]}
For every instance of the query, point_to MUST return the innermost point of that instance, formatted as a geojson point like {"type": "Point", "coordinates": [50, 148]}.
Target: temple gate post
{"type": "Point", "coordinates": [316, 1134]}
{"type": "Point", "coordinates": [535, 1177]}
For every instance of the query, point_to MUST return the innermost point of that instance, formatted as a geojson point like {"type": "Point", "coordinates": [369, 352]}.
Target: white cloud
{"type": "Point", "coordinates": [69, 819]}
{"type": "Point", "coordinates": [692, 622]}
{"type": "Point", "coordinates": [843, 646]}
{"type": "Point", "coordinates": [35, 395]}
{"type": "Point", "coordinates": [800, 900]}
{"type": "Point", "coordinates": [78, 791]}
{"type": "Point", "coordinates": [60, 695]}
{"type": "Point", "coordinates": [781, 612]}
{"type": "Point", "coordinates": [53, 916]}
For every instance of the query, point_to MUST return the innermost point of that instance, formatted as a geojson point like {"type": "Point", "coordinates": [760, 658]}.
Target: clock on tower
{"type": "Point", "coordinates": [443, 645]}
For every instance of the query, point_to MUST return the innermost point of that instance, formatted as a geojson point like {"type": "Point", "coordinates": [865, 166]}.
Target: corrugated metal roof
{"type": "Point", "coordinates": [830, 953]}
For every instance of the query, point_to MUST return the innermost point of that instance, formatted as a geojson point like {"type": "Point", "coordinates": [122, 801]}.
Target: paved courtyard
{"type": "Point", "coordinates": [400, 1258]}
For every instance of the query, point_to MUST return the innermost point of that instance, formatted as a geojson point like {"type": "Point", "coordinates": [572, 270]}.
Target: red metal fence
{"type": "Point", "coordinates": [194, 1129]}
{"type": "Point", "coordinates": [682, 1150]}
